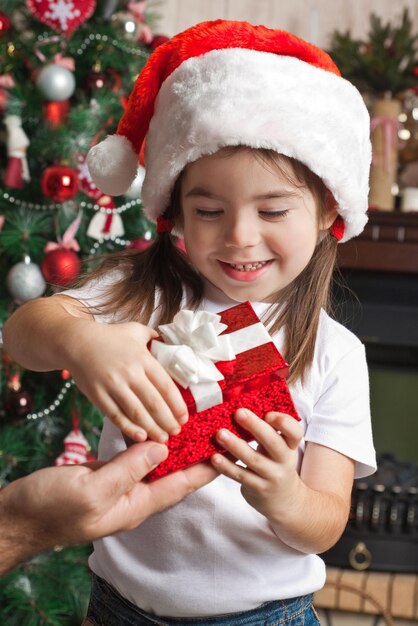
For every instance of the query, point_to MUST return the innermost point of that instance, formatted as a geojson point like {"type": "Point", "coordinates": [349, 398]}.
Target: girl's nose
{"type": "Point", "coordinates": [241, 231]}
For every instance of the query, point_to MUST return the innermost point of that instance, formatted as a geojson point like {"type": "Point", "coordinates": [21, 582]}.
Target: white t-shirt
{"type": "Point", "coordinates": [213, 553]}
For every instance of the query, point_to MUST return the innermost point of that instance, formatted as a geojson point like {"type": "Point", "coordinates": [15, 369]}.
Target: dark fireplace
{"type": "Point", "coordinates": [381, 308]}
{"type": "Point", "coordinates": [379, 303]}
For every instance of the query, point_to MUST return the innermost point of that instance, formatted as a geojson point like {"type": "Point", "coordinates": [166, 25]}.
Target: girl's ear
{"type": "Point", "coordinates": [330, 214]}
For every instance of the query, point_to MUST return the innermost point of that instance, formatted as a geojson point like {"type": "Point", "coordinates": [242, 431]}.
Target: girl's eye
{"type": "Point", "coordinates": [274, 215]}
{"type": "Point", "coordinates": [208, 213]}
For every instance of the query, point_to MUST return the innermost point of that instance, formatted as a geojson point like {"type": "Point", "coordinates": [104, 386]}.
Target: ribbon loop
{"type": "Point", "coordinates": [193, 343]}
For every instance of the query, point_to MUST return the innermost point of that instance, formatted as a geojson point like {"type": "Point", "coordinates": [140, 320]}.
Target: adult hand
{"type": "Point", "coordinates": [75, 504]}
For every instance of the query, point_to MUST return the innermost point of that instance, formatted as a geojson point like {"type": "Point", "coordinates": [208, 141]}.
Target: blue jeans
{"type": "Point", "coordinates": [108, 608]}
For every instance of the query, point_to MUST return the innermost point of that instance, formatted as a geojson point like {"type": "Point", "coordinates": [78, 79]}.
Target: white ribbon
{"type": "Point", "coordinates": [193, 344]}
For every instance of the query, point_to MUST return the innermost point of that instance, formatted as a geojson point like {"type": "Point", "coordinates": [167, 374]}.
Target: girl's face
{"type": "Point", "coordinates": [247, 229]}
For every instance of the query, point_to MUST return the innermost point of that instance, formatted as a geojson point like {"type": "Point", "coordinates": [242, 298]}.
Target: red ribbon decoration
{"type": "Point", "coordinates": [68, 241]}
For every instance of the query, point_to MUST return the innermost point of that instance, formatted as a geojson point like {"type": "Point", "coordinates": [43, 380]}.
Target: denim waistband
{"type": "Point", "coordinates": [108, 608]}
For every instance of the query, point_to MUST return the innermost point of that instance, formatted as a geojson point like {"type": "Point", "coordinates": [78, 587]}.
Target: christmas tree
{"type": "Point", "coordinates": [67, 67]}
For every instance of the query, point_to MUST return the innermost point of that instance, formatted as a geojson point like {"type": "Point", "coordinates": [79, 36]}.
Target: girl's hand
{"type": "Point", "coordinates": [112, 366]}
{"type": "Point", "coordinates": [270, 475]}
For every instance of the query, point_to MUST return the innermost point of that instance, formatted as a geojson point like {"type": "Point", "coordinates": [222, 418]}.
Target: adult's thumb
{"type": "Point", "coordinates": [155, 454]}
{"type": "Point", "coordinates": [126, 469]}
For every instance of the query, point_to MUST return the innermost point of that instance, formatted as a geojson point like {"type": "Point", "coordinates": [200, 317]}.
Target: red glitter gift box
{"type": "Point", "coordinates": [255, 378]}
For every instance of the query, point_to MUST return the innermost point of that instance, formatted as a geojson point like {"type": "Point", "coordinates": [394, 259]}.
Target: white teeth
{"type": "Point", "coordinates": [248, 267]}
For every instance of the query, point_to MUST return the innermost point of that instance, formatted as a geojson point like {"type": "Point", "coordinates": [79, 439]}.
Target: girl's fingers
{"type": "Point", "coordinates": [290, 429]}
{"type": "Point", "coordinates": [132, 408]}
{"type": "Point", "coordinates": [158, 376]}
{"type": "Point", "coordinates": [240, 474]}
{"type": "Point", "coordinates": [241, 450]}
{"type": "Point", "coordinates": [112, 410]}
{"type": "Point", "coordinates": [265, 434]}
{"type": "Point", "coordinates": [148, 397]}
{"type": "Point", "coordinates": [273, 445]}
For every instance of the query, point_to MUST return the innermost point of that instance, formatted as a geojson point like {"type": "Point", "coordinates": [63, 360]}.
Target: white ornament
{"type": "Point", "coordinates": [17, 142]}
{"type": "Point", "coordinates": [105, 226]}
{"type": "Point", "coordinates": [55, 82]}
{"type": "Point", "coordinates": [76, 447]}
{"type": "Point", "coordinates": [25, 281]}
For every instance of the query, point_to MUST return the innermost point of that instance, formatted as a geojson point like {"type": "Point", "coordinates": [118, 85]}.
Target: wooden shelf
{"type": "Point", "coordinates": [388, 243]}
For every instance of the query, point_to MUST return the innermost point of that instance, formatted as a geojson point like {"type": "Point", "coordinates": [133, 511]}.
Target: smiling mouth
{"type": "Point", "coordinates": [247, 267]}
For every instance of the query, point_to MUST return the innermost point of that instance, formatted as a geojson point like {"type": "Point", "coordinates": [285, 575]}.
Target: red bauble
{"type": "Point", "coordinates": [56, 112]}
{"type": "Point", "coordinates": [157, 40]}
{"type": "Point", "coordinates": [59, 183]}
{"type": "Point", "coordinates": [4, 23]}
{"type": "Point", "coordinates": [60, 266]}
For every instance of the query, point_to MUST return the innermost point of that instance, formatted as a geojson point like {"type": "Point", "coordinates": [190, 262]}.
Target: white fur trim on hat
{"type": "Point", "coordinates": [238, 96]}
{"type": "Point", "coordinates": [113, 165]}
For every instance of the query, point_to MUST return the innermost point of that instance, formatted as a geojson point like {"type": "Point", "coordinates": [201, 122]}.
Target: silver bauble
{"type": "Point", "coordinates": [55, 82]}
{"type": "Point", "coordinates": [134, 191]}
{"type": "Point", "coordinates": [25, 281]}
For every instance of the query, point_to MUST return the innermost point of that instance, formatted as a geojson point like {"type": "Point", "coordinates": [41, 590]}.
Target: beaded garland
{"type": "Point", "coordinates": [255, 380]}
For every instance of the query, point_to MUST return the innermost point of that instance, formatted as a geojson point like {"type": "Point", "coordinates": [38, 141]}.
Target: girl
{"type": "Point", "coordinates": [257, 153]}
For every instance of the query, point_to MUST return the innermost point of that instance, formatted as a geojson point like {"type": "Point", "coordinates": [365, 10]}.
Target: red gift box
{"type": "Point", "coordinates": [254, 379]}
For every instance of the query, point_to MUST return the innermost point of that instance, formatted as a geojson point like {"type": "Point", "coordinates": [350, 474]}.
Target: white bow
{"type": "Point", "coordinates": [192, 346]}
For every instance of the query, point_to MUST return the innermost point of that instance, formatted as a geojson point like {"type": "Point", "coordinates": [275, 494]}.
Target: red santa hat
{"type": "Point", "coordinates": [226, 83]}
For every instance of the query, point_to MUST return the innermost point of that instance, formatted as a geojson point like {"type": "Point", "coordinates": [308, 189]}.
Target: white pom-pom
{"type": "Point", "coordinates": [113, 165]}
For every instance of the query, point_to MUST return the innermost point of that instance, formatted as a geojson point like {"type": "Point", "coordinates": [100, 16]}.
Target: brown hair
{"type": "Point", "coordinates": [165, 270]}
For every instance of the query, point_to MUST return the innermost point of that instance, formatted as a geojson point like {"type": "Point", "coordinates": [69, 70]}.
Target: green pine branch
{"type": "Point", "coordinates": [385, 62]}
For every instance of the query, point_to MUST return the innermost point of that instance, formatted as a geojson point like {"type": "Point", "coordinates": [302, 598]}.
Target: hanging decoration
{"type": "Point", "coordinates": [107, 222]}
{"type": "Point", "coordinates": [17, 170]}
{"type": "Point", "coordinates": [25, 281]}
{"type": "Point", "coordinates": [76, 446]}
{"type": "Point", "coordinates": [56, 81]}
{"type": "Point", "coordinates": [59, 182]}
{"type": "Point", "coordinates": [64, 16]}
{"type": "Point", "coordinates": [4, 23]}
{"type": "Point", "coordinates": [61, 264]}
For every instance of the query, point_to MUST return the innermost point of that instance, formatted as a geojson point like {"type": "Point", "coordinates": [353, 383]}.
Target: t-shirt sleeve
{"type": "Point", "coordinates": [341, 415]}
{"type": "Point", "coordinates": [94, 292]}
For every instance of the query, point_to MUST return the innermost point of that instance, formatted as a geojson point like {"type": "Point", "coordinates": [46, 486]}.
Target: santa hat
{"type": "Point", "coordinates": [226, 83]}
